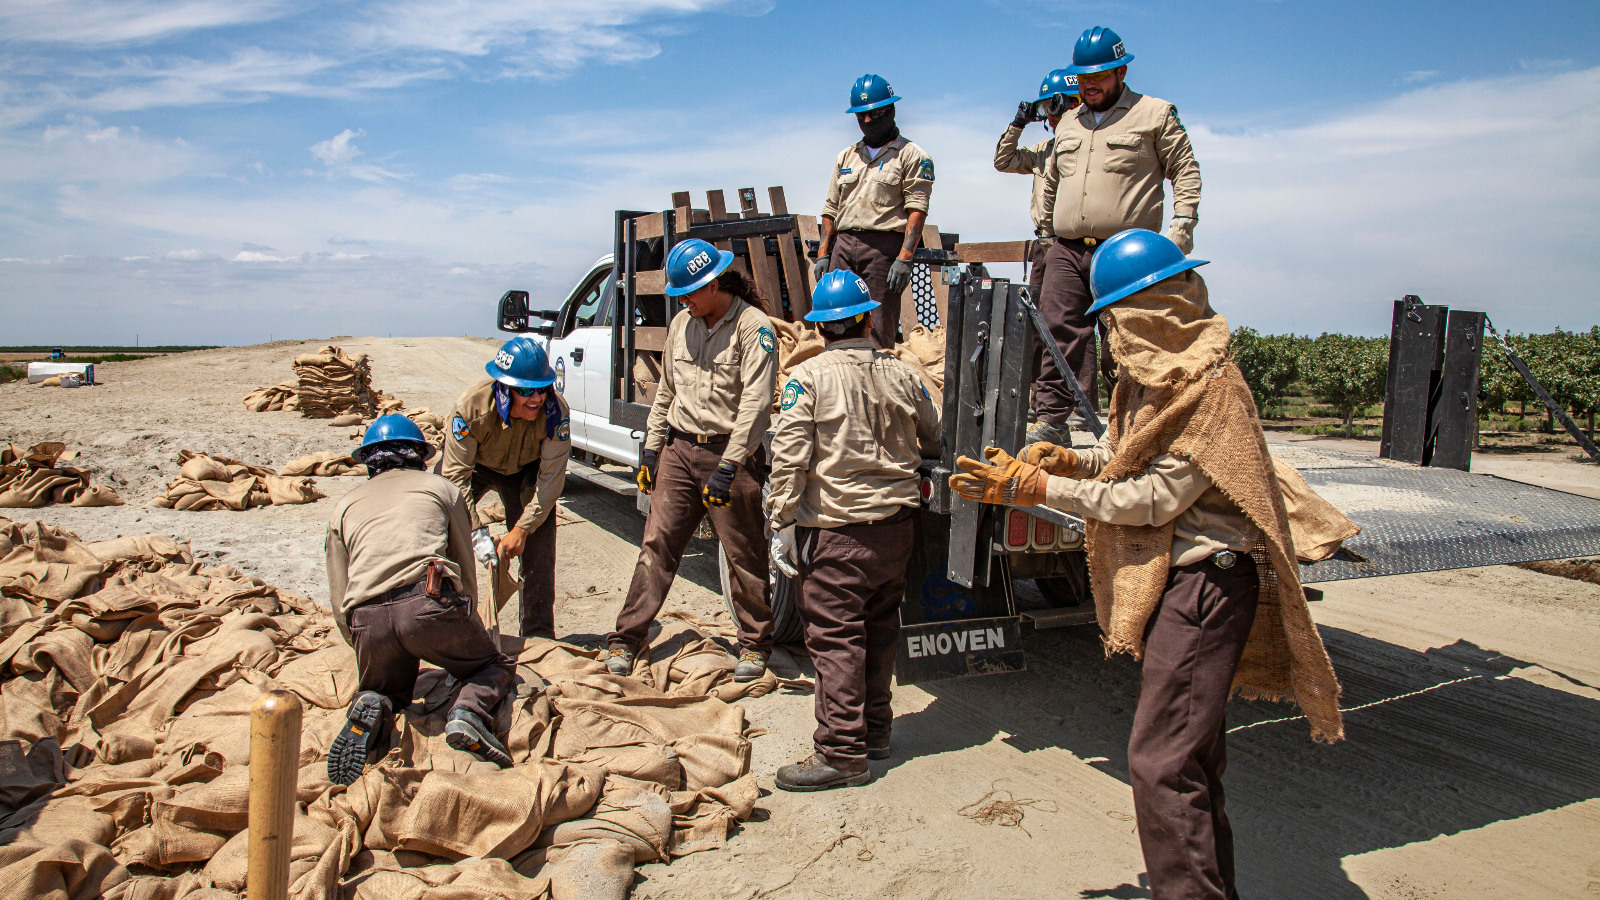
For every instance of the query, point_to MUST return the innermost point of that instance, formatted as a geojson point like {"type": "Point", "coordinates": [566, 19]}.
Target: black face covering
{"type": "Point", "coordinates": [881, 129]}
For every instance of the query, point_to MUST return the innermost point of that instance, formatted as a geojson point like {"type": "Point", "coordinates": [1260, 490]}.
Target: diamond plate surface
{"type": "Point", "coordinates": [1425, 520]}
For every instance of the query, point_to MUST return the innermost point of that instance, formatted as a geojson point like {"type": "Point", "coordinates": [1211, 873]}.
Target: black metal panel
{"type": "Point", "coordinates": [629, 415]}
{"type": "Point", "coordinates": [742, 228]}
{"type": "Point", "coordinates": [1455, 416]}
{"type": "Point", "coordinates": [954, 315]}
{"type": "Point", "coordinates": [1416, 355]}
{"type": "Point", "coordinates": [943, 650]}
{"type": "Point", "coordinates": [970, 522]}
{"type": "Point", "coordinates": [1010, 418]}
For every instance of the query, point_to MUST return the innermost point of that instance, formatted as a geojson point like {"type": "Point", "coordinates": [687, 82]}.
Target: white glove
{"type": "Point", "coordinates": [483, 547]}
{"type": "Point", "coordinates": [783, 551]}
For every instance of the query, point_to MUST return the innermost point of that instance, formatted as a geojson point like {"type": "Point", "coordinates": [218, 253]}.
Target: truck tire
{"type": "Point", "coordinates": [786, 625]}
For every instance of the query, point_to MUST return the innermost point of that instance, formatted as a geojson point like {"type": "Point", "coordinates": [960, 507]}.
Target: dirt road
{"type": "Point", "coordinates": [1474, 696]}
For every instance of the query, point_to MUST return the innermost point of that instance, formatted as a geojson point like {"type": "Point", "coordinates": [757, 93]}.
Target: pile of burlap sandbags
{"type": "Point", "coordinates": [333, 383]}
{"type": "Point", "coordinates": [38, 477]}
{"type": "Point", "coordinates": [129, 673]}
{"type": "Point", "coordinates": [207, 482]}
{"type": "Point", "coordinates": [326, 464]}
{"type": "Point", "coordinates": [284, 396]}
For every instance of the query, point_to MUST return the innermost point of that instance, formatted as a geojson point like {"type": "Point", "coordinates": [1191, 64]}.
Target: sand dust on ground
{"type": "Point", "coordinates": [1470, 769]}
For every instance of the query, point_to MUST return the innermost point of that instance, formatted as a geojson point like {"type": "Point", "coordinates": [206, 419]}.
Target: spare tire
{"type": "Point", "coordinates": [786, 625]}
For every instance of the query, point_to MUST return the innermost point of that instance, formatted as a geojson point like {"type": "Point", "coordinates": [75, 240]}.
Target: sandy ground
{"type": "Point", "coordinates": [1474, 696]}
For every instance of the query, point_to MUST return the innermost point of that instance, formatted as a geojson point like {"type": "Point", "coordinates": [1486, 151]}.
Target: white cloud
{"type": "Point", "coordinates": [338, 150]}
{"type": "Point", "coordinates": [1419, 76]}
{"type": "Point", "coordinates": [105, 22]}
{"type": "Point", "coordinates": [254, 256]}
{"type": "Point", "coordinates": [190, 255]}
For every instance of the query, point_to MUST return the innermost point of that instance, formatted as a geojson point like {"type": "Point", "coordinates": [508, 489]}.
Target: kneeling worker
{"type": "Point", "coordinates": [511, 434]}
{"type": "Point", "coordinates": [702, 452]}
{"type": "Point", "coordinates": [402, 583]}
{"type": "Point", "coordinates": [1187, 535]}
{"type": "Point", "coordinates": [853, 426]}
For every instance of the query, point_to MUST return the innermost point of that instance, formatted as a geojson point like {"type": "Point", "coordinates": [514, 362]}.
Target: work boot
{"type": "Point", "coordinates": [618, 659]}
{"type": "Point", "coordinates": [1048, 432]}
{"type": "Point", "coordinates": [878, 747]}
{"type": "Point", "coordinates": [367, 720]}
{"type": "Point", "coordinates": [752, 665]}
{"type": "Point", "coordinates": [813, 774]}
{"type": "Point", "coordinates": [467, 731]}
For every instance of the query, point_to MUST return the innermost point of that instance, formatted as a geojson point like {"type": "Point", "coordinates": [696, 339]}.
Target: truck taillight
{"type": "Point", "coordinates": [1017, 529]}
{"type": "Point", "coordinates": [927, 489]}
{"type": "Point", "coordinates": [1044, 534]}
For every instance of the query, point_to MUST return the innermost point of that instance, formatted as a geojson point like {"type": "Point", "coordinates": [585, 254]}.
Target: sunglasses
{"type": "Point", "coordinates": [527, 392]}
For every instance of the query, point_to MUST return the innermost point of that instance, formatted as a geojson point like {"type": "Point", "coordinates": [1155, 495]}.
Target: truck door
{"type": "Point", "coordinates": [572, 352]}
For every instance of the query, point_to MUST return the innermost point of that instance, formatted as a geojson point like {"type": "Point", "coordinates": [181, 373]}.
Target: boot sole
{"type": "Point", "coordinates": [347, 756]}
{"type": "Point", "coordinates": [879, 752]}
{"type": "Point", "coordinates": [746, 679]}
{"type": "Point", "coordinates": [465, 737]}
{"type": "Point", "coordinates": [856, 780]}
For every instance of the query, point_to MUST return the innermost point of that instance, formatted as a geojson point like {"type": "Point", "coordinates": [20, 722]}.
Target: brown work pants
{"type": "Point", "coordinates": [1064, 300]}
{"type": "Point", "coordinates": [1178, 750]}
{"type": "Point", "coordinates": [851, 581]}
{"type": "Point", "coordinates": [392, 635]}
{"type": "Point", "coordinates": [870, 254]}
{"type": "Point", "coordinates": [675, 511]}
{"type": "Point", "coordinates": [537, 615]}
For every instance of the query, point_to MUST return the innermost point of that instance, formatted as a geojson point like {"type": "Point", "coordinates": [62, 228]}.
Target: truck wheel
{"type": "Point", "coordinates": [786, 625]}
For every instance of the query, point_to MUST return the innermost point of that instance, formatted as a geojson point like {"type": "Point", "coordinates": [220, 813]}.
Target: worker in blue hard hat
{"type": "Point", "coordinates": [1188, 534]}
{"type": "Point", "coordinates": [853, 424]}
{"type": "Point", "coordinates": [877, 204]}
{"type": "Point", "coordinates": [403, 583]}
{"type": "Point", "coordinates": [1104, 175]}
{"type": "Point", "coordinates": [511, 434]}
{"type": "Point", "coordinates": [703, 452]}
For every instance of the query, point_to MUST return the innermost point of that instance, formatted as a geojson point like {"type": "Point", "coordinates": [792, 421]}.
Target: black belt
{"type": "Point", "coordinates": [1086, 241]}
{"type": "Point", "coordinates": [393, 594]}
{"type": "Point", "coordinates": [706, 440]}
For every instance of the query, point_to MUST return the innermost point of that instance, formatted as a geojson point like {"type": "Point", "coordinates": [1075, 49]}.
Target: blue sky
{"type": "Point", "coordinates": [229, 171]}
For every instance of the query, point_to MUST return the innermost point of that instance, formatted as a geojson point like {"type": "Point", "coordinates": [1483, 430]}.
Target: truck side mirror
{"type": "Point", "coordinates": [514, 312]}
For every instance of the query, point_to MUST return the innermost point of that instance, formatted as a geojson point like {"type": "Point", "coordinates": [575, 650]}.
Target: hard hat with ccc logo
{"type": "Point", "coordinates": [389, 429]}
{"type": "Point", "coordinates": [521, 363]}
{"type": "Point", "coordinates": [1098, 49]}
{"type": "Point", "coordinates": [870, 92]}
{"type": "Point", "coordinates": [692, 264]}
{"type": "Point", "coordinates": [840, 294]}
{"type": "Point", "coordinates": [1130, 261]}
{"type": "Point", "coordinates": [1059, 81]}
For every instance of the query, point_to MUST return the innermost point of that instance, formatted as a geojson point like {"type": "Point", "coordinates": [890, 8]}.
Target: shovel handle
{"type": "Point", "coordinates": [274, 771]}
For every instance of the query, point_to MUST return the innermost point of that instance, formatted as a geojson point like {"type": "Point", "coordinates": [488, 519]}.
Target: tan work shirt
{"type": "Point", "coordinates": [868, 193]}
{"type": "Point", "coordinates": [717, 380]}
{"type": "Point", "coordinates": [1008, 157]}
{"type": "Point", "coordinates": [383, 534]}
{"type": "Point", "coordinates": [1102, 179]}
{"type": "Point", "coordinates": [854, 424]}
{"type": "Point", "coordinates": [478, 438]}
{"type": "Point", "coordinates": [1172, 489]}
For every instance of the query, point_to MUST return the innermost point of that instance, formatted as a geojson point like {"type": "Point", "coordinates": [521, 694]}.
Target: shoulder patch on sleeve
{"type": "Point", "coordinates": [458, 428]}
{"type": "Point", "coordinates": [791, 394]}
{"type": "Point", "coordinates": [768, 342]}
{"type": "Point", "coordinates": [1173, 111]}
{"type": "Point", "coordinates": [925, 171]}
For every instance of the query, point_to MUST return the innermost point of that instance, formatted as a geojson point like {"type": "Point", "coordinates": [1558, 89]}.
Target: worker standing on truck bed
{"type": "Point", "coordinates": [877, 202]}
{"type": "Point", "coordinates": [402, 582]}
{"type": "Point", "coordinates": [511, 434]}
{"type": "Point", "coordinates": [1190, 552]}
{"type": "Point", "coordinates": [1104, 175]}
{"type": "Point", "coordinates": [702, 451]}
{"type": "Point", "coordinates": [853, 425]}
{"type": "Point", "coordinates": [1058, 95]}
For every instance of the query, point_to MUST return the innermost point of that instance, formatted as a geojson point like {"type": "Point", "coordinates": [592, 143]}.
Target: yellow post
{"type": "Point", "coordinates": [274, 771]}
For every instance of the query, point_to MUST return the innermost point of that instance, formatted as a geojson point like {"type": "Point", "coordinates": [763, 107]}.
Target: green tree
{"type": "Point", "coordinates": [1346, 372]}
{"type": "Point", "coordinates": [1270, 363]}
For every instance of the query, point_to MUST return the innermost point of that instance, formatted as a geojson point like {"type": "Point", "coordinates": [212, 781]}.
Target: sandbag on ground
{"type": "Point", "coordinates": [218, 482]}
{"type": "Point", "coordinates": [36, 477]}
{"type": "Point", "coordinates": [324, 464]}
{"type": "Point", "coordinates": [332, 383]}
{"type": "Point", "coordinates": [285, 396]}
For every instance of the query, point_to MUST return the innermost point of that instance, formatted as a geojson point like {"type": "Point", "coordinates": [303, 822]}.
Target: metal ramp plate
{"type": "Point", "coordinates": [1427, 519]}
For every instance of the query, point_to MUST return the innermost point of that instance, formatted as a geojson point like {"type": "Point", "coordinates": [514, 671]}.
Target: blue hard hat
{"type": "Point", "coordinates": [393, 427]}
{"type": "Point", "coordinates": [870, 92]}
{"type": "Point", "coordinates": [692, 264]}
{"type": "Point", "coordinates": [1132, 260]}
{"type": "Point", "coordinates": [1097, 50]}
{"type": "Point", "coordinates": [521, 363]}
{"type": "Point", "coordinates": [840, 294]}
{"type": "Point", "coordinates": [1059, 81]}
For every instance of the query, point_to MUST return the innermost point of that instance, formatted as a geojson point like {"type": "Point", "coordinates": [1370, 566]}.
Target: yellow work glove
{"type": "Point", "coordinates": [1051, 458]}
{"type": "Point", "coordinates": [1003, 481]}
{"type": "Point", "coordinates": [649, 460]}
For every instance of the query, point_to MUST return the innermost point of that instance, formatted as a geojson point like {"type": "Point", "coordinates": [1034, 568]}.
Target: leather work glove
{"type": "Point", "coordinates": [718, 486]}
{"type": "Point", "coordinates": [649, 461]}
{"type": "Point", "coordinates": [819, 268]}
{"type": "Point", "coordinates": [899, 276]}
{"type": "Point", "coordinates": [483, 546]}
{"type": "Point", "coordinates": [1024, 115]}
{"type": "Point", "coordinates": [1004, 481]}
{"type": "Point", "coordinates": [1051, 458]}
{"type": "Point", "coordinates": [783, 555]}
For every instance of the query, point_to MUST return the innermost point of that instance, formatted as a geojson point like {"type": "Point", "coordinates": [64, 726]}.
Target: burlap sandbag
{"type": "Point", "coordinates": [44, 563]}
{"type": "Point", "coordinates": [69, 870]}
{"type": "Point", "coordinates": [496, 814]}
{"type": "Point", "coordinates": [635, 814]}
{"type": "Point", "coordinates": [325, 464]}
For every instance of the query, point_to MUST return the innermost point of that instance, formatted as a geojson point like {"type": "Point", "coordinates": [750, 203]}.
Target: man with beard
{"type": "Point", "coordinates": [877, 202]}
{"type": "Point", "coordinates": [1191, 556]}
{"type": "Point", "coordinates": [1104, 175]}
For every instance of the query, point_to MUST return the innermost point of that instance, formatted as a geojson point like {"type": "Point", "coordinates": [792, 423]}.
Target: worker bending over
{"type": "Point", "coordinates": [1104, 175]}
{"type": "Point", "coordinates": [511, 434]}
{"type": "Point", "coordinates": [702, 451]}
{"type": "Point", "coordinates": [403, 585]}
{"type": "Point", "coordinates": [853, 425]}
{"type": "Point", "coordinates": [1190, 555]}
{"type": "Point", "coordinates": [877, 202]}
